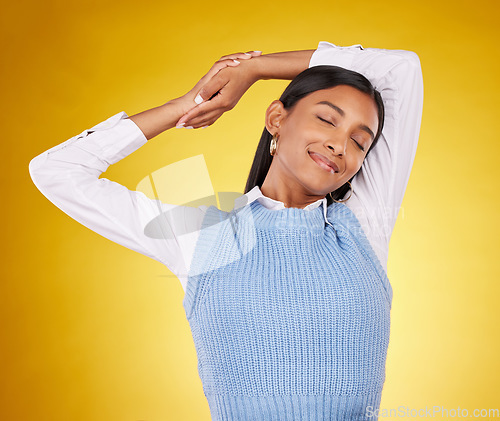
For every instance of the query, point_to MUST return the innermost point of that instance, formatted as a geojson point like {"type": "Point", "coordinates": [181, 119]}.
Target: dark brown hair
{"type": "Point", "coordinates": [310, 80]}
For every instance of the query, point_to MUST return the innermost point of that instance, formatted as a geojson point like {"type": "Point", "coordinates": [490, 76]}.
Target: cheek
{"type": "Point", "coordinates": [294, 142]}
{"type": "Point", "coordinates": [355, 163]}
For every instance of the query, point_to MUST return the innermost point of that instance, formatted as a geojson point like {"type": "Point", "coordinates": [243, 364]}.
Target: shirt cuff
{"type": "Point", "coordinates": [113, 139]}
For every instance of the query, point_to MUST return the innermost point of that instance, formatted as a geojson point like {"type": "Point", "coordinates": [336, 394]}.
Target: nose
{"type": "Point", "coordinates": [336, 145]}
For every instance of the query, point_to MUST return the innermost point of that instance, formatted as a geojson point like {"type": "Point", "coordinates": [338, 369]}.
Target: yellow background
{"type": "Point", "coordinates": [93, 331]}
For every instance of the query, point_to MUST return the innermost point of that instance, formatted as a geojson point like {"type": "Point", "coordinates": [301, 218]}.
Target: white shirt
{"type": "Point", "coordinates": [68, 174]}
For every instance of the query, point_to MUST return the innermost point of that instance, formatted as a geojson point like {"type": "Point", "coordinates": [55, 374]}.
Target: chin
{"type": "Point", "coordinates": [318, 189]}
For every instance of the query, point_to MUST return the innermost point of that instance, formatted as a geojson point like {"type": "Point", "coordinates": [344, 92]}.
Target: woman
{"type": "Point", "coordinates": [286, 295]}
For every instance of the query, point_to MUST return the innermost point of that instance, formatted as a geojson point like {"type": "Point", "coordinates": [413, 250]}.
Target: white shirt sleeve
{"type": "Point", "coordinates": [380, 185]}
{"type": "Point", "coordinates": [68, 175]}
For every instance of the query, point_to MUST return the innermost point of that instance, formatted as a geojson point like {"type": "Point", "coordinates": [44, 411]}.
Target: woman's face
{"type": "Point", "coordinates": [335, 125]}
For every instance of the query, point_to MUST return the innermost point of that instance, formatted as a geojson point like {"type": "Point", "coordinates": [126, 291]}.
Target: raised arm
{"type": "Point", "coordinates": [397, 75]}
{"type": "Point", "coordinates": [379, 187]}
{"type": "Point", "coordinates": [68, 175]}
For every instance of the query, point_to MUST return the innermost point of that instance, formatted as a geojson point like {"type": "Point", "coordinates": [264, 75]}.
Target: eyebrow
{"type": "Point", "coordinates": [339, 110]}
{"type": "Point", "coordinates": [367, 130]}
{"type": "Point", "coordinates": [342, 113]}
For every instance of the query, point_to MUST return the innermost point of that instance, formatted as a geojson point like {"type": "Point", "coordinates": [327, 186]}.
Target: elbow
{"type": "Point", "coordinates": [411, 58]}
{"type": "Point", "coordinates": [43, 180]}
{"type": "Point", "coordinates": [48, 177]}
{"type": "Point", "coordinates": [34, 169]}
{"type": "Point", "coordinates": [410, 64]}
{"type": "Point", "coordinates": [407, 69]}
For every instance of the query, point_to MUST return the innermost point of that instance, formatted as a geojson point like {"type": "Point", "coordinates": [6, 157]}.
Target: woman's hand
{"type": "Point", "coordinates": [219, 90]}
{"type": "Point", "coordinates": [186, 102]}
{"type": "Point", "coordinates": [228, 79]}
{"type": "Point", "coordinates": [158, 119]}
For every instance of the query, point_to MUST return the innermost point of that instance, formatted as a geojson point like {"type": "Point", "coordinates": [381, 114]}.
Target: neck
{"type": "Point", "coordinates": [287, 190]}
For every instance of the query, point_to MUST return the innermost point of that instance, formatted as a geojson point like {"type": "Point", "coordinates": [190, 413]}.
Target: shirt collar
{"type": "Point", "coordinates": [256, 194]}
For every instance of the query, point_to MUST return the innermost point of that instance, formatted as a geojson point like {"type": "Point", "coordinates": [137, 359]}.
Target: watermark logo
{"type": "Point", "coordinates": [179, 189]}
{"type": "Point", "coordinates": [430, 412]}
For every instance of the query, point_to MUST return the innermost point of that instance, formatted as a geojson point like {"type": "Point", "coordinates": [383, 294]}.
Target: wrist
{"type": "Point", "coordinates": [251, 69]}
{"type": "Point", "coordinates": [154, 121]}
{"type": "Point", "coordinates": [176, 108]}
{"type": "Point", "coordinates": [258, 68]}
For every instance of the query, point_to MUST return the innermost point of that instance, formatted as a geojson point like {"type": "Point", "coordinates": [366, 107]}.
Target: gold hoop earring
{"type": "Point", "coordinates": [345, 200]}
{"type": "Point", "coordinates": [274, 144]}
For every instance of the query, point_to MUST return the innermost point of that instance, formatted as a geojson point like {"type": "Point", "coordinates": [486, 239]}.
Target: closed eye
{"type": "Point", "coordinates": [326, 121]}
{"type": "Point", "coordinates": [359, 146]}
{"type": "Point", "coordinates": [354, 140]}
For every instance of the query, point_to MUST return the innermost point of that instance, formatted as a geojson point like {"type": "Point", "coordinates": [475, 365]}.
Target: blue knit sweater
{"type": "Point", "coordinates": [290, 316]}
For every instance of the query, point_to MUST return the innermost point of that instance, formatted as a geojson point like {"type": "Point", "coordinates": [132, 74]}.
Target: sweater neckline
{"type": "Point", "coordinates": [286, 218]}
{"type": "Point", "coordinates": [256, 194]}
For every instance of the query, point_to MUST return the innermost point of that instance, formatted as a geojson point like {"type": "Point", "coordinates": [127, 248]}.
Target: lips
{"type": "Point", "coordinates": [324, 162]}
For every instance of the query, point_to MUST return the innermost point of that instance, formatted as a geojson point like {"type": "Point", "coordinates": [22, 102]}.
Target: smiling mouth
{"type": "Point", "coordinates": [324, 162]}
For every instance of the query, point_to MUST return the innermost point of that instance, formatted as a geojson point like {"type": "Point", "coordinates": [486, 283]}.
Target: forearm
{"type": "Point", "coordinates": [156, 120]}
{"type": "Point", "coordinates": [226, 85]}
{"type": "Point", "coordinates": [285, 65]}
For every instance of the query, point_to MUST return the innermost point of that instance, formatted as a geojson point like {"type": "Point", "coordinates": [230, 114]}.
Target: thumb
{"type": "Point", "coordinates": [208, 90]}
{"type": "Point", "coordinates": [206, 81]}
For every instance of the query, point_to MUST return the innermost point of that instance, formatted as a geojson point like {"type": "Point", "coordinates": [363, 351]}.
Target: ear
{"type": "Point", "coordinates": [275, 115]}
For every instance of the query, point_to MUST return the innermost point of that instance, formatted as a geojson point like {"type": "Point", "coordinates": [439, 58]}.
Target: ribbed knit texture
{"type": "Point", "coordinates": [290, 316]}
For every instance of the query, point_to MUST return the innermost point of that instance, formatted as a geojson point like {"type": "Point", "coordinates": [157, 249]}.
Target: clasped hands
{"type": "Point", "coordinates": [217, 91]}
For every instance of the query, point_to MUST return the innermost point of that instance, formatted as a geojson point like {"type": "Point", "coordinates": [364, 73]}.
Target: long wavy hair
{"type": "Point", "coordinates": [310, 80]}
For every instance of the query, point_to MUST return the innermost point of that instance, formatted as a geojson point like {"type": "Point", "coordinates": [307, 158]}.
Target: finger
{"type": "Point", "coordinates": [243, 56]}
{"type": "Point", "coordinates": [208, 77]}
{"type": "Point", "coordinates": [254, 53]}
{"type": "Point", "coordinates": [216, 68]}
{"type": "Point", "coordinates": [202, 119]}
{"type": "Point", "coordinates": [209, 89]}
{"type": "Point", "coordinates": [219, 65]}
{"type": "Point", "coordinates": [206, 114]}
{"type": "Point", "coordinates": [194, 112]}
{"type": "Point", "coordinates": [197, 111]}
{"type": "Point", "coordinates": [205, 120]}
{"type": "Point", "coordinates": [236, 56]}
